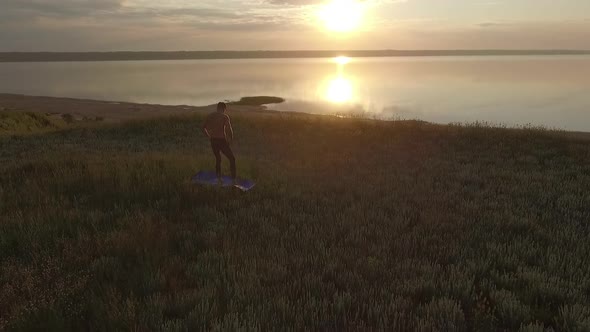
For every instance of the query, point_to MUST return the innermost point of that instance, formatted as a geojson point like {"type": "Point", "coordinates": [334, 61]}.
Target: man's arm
{"type": "Point", "coordinates": [230, 130]}
{"type": "Point", "coordinates": [204, 127]}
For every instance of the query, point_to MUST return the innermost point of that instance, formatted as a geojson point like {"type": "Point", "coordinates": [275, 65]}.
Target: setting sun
{"type": "Point", "coordinates": [342, 15]}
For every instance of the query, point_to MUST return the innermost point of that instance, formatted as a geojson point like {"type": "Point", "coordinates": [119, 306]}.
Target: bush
{"type": "Point", "coordinates": [15, 122]}
{"type": "Point", "coordinates": [68, 118]}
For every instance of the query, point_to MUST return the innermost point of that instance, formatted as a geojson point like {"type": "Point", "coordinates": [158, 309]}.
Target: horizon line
{"type": "Point", "coordinates": [92, 56]}
{"type": "Point", "coordinates": [329, 50]}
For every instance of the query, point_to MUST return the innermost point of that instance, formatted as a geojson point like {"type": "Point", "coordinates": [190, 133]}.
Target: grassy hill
{"type": "Point", "coordinates": [354, 225]}
{"type": "Point", "coordinates": [19, 122]}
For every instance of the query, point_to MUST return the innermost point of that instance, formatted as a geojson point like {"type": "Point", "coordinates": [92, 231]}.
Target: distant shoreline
{"type": "Point", "coordinates": [109, 111]}
{"type": "Point", "coordinates": [121, 111]}
{"type": "Point", "coordinates": [210, 55]}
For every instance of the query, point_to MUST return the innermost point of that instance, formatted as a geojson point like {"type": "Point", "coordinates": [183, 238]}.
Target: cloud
{"type": "Point", "coordinates": [79, 25]}
{"type": "Point", "coordinates": [58, 7]}
{"type": "Point", "coordinates": [296, 2]}
{"type": "Point", "coordinates": [231, 15]}
{"type": "Point", "coordinates": [493, 24]}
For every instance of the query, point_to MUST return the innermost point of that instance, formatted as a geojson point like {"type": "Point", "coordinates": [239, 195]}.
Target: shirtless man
{"type": "Point", "coordinates": [215, 127]}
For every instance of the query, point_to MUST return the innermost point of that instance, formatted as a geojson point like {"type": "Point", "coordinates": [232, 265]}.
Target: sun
{"type": "Point", "coordinates": [342, 15]}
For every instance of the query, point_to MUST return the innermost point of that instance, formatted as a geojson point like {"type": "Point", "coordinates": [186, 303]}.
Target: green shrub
{"type": "Point", "coordinates": [68, 118]}
{"type": "Point", "coordinates": [14, 122]}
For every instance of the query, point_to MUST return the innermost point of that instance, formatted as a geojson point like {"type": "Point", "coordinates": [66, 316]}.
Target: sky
{"type": "Point", "coordinates": [168, 25]}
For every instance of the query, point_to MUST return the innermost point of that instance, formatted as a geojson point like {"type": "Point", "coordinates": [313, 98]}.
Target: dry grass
{"type": "Point", "coordinates": [354, 225]}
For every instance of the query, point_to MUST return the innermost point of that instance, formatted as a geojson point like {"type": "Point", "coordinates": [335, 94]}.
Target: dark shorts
{"type": "Point", "coordinates": [221, 145]}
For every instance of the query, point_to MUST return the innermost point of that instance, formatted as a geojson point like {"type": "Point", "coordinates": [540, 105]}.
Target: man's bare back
{"type": "Point", "coordinates": [216, 123]}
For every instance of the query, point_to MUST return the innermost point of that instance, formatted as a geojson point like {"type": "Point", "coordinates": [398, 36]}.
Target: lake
{"type": "Point", "coordinates": [551, 91]}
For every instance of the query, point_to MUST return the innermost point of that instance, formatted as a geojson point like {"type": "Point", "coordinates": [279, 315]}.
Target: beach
{"type": "Point", "coordinates": [87, 110]}
{"type": "Point", "coordinates": [109, 111]}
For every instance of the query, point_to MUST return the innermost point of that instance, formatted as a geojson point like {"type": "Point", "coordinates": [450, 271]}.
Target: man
{"type": "Point", "coordinates": [216, 126]}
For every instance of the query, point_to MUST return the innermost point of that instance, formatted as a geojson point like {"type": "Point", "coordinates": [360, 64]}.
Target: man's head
{"type": "Point", "coordinates": [221, 107]}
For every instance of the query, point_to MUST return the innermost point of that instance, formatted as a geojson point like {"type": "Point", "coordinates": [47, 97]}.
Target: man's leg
{"type": "Point", "coordinates": [216, 148]}
{"type": "Point", "coordinates": [226, 149]}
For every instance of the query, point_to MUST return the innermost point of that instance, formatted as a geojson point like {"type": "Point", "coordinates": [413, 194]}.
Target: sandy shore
{"type": "Point", "coordinates": [107, 110]}
{"type": "Point", "coordinates": [111, 111]}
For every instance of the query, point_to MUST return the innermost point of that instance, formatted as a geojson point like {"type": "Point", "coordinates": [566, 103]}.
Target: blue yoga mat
{"type": "Point", "coordinates": [210, 178]}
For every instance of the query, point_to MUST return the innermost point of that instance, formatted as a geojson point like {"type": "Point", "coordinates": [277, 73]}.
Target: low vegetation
{"type": "Point", "coordinates": [354, 225]}
{"type": "Point", "coordinates": [14, 121]}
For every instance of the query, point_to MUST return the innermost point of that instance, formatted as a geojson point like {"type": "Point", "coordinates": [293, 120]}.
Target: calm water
{"type": "Point", "coordinates": [550, 91]}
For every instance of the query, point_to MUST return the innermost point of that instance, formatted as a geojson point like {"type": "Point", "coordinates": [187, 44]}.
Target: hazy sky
{"type": "Point", "coordinates": [106, 25]}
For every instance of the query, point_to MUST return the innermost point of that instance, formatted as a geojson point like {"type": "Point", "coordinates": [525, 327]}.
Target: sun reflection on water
{"type": "Point", "coordinates": [340, 88]}
{"type": "Point", "coordinates": [341, 60]}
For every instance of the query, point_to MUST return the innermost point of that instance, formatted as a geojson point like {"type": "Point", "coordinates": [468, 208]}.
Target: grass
{"type": "Point", "coordinates": [354, 225]}
{"type": "Point", "coordinates": [18, 122]}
